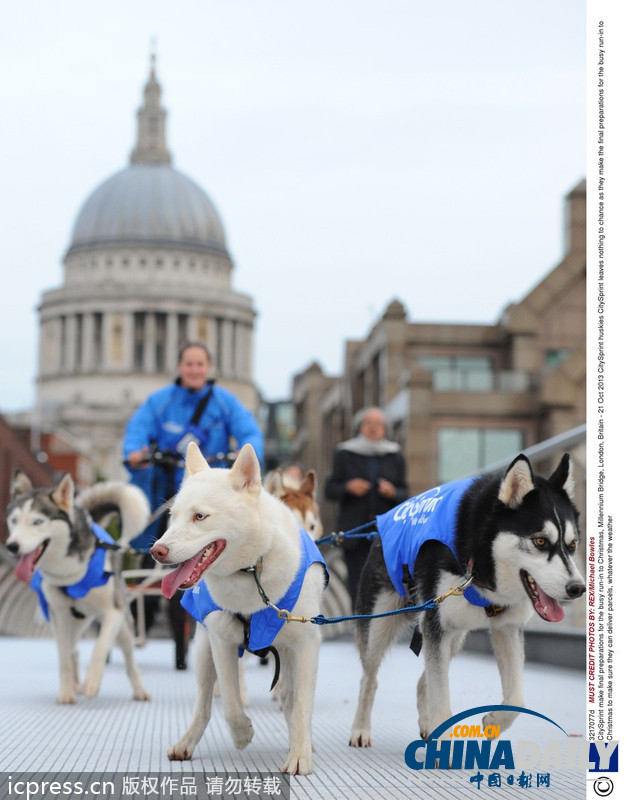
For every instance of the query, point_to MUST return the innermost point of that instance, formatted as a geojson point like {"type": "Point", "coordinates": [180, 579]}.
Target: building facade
{"type": "Point", "coordinates": [460, 397]}
{"type": "Point", "coordinates": [147, 269]}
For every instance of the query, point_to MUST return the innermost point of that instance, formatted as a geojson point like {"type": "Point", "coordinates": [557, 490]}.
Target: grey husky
{"type": "Point", "coordinates": [513, 535]}
{"type": "Point", "coordinates": [74, 566]}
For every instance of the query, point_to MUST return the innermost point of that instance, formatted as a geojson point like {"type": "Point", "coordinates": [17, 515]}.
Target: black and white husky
{"type": "Point", "coordinates": [515, 534]}
{"type": "Point", "coordinates": [74, 566]}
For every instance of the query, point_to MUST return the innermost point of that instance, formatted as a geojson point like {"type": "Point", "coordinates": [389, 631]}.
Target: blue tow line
{"type": "Point", "coordinates": [321, 620]}
{"type": "Point", "coordinates": [337, 538]}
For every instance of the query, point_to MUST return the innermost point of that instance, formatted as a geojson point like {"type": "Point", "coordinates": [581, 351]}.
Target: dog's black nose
{"type": "Point", "coordinates": [13, 547]}
{"type": "Point", "coordinates": [575, 589]}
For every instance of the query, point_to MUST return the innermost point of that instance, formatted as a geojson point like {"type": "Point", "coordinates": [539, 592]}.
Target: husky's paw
{"type": "Point", "coordinates": [92, 682]}
{"type": "Point", "coordinates": [360, 738]}
{"type": "Point", "coordinates": [181, 751]}
{"type": "Point", "coordinates": [91, 687]}
{"type": "Point", "coordinates": [242, 732]}
{"type": "Point", "coordinates": [424, 725]}
{"type": "Point", "coordinates": [298, 764]}
{"type": "Point", "coordinates": [499, 719]}
{"type": "Point", "coordinates": [141, 694]}
{"type": "Point", "coordinates": [67, 697]}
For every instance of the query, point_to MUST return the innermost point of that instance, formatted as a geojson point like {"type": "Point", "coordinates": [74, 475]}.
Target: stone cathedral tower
{"type": "Point", "coordinates": [147, 268]}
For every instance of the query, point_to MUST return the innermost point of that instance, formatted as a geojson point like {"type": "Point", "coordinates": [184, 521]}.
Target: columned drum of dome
{"type": "Point", "coordinates": [147, 268]}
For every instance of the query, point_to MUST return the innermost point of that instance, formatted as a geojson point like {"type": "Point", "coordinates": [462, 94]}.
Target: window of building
{"type": "Point", "coordinates": [553, 358]}
{"type": "Point", "coordinates": [464, 451]}
{"type": "Point", "coordinates": [460, 373]}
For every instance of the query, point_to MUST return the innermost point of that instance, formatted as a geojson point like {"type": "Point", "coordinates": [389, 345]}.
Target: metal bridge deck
{"type": "Point", "coordinates": [111, 733]}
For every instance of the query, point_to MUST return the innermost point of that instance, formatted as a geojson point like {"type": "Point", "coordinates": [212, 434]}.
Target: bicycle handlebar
{"type": "Point", "coordinates": [167, 458]}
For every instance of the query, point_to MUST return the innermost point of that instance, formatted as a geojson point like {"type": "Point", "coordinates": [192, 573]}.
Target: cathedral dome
{"type": "Point", "coordinates": [148, 204]}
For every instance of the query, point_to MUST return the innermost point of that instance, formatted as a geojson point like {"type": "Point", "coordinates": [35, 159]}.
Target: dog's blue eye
{"type": "Point", "coordinates": [200, 517]}
{"type": "Point", "coordinates": [38, 521]}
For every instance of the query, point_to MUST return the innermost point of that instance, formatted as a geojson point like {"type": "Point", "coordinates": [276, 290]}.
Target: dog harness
{"type": "Point", "coordinates": [264, 625]}
{"type": "Point", "coordinates": [95, 574]}
{"type": "Point", "coordinates": [429, 516]}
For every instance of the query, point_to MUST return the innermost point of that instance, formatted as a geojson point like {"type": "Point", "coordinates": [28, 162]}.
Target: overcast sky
{"type": "Point", "coordinates": [356, 150]}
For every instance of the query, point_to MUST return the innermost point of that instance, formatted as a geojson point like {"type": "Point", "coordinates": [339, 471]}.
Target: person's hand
{"type": "Point", "coordinates": [358, 487]}
{"type": "Point", "coordinates": [385, 488]}
{"type": "Point", "coordinates": [136, 458]}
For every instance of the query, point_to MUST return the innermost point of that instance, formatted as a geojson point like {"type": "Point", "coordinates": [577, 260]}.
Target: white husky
{"type": "Point", "coordinates": [222, 525]}
{"type": "Point", "coordinates": [75, 568]}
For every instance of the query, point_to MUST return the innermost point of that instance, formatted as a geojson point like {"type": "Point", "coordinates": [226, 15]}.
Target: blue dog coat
{"type": "Point", "coordinates": [431, 515]}
{"type": "Point", "coordinates": [95, 574]}
{"type": "Point", "coordinates": [265, 624]}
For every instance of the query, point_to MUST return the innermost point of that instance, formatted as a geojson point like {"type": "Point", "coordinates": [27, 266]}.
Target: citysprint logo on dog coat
{"type": "Point", "coordinates": [430, 515]}
{"type": "Point", "coordinates": [476, 753]}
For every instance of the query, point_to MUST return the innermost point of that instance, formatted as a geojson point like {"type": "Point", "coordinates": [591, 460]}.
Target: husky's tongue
{"type": "Point", "coordinates": [188, 572]}
{"type": "Point", "coordinates": [26, 565]}
{"type": "Point", "coordinates": [546, 607]}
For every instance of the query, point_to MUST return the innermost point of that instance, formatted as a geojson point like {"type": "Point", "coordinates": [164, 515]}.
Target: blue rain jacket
{"type": "Point", "coordinates": [164, 418]}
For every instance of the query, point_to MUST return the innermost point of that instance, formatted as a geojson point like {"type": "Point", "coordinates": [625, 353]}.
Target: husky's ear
{"type": "Point", "coordinates": [20, 483]}
{"type": "Point", "coordinates": [309, 484]}
{"type": "Point", "coordinates": [63, 493]}
{"type": "Point", "coordinates": [274, 484]}
{"type": "Point", "coordinates": [195, 462]}
{"type": "Point", "coordinates": [518, 481]}
{"type": "Point", "coordinates": [245, 473]}
{"type": "Point", "coordinates": [562, 478]}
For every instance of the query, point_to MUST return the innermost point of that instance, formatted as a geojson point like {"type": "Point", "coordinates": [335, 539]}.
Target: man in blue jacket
{"type": "Point", "coordinates": [192, 408]}
{"type": "Point", "coordinates": [166, 419]}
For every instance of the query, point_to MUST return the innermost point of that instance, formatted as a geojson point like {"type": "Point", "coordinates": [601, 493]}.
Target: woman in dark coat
{"type": "Point", "coordinates": [368, 478]}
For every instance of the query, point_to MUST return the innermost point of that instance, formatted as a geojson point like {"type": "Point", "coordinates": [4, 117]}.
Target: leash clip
{"type": "Point", "coordinates": [287, 616]}
{"type": "Point", "coordinates": [456, 591]}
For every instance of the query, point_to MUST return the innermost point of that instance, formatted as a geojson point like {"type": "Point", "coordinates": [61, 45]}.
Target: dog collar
{"type": "Point", "coordinates": [476, 598]}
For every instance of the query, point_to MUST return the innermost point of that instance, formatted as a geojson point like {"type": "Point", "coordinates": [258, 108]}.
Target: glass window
{"type": "Point", "coordinates": [553, 358]}
{"type": "Point", "coordinates": [464, 451]}
{"type": "Point", "coordinates": [460, 373]}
